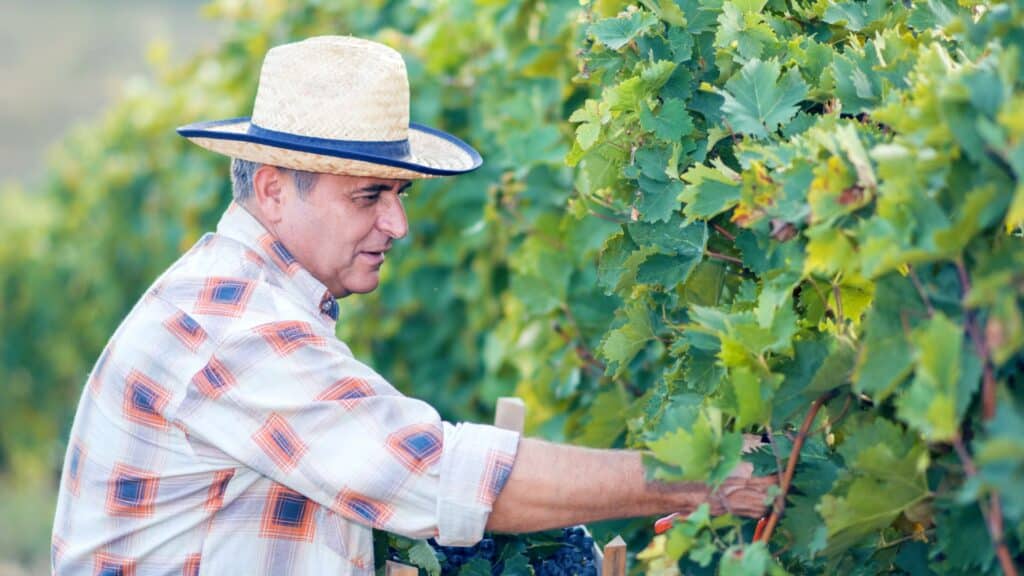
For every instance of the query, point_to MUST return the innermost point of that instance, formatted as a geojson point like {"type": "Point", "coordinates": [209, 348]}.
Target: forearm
{"type": "Point", "coordinates": [553, 485]}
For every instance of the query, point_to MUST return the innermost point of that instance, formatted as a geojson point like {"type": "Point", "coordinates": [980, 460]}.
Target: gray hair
{"type": "Point", "coordinates": [242, 172]}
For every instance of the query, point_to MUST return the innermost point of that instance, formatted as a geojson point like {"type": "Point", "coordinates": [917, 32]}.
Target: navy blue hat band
{"type": "Point", "coordinates": [396, 149]}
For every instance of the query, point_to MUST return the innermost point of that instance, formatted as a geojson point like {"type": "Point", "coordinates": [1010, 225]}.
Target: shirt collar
{"type": "Point", "coordinates": [238, 224]}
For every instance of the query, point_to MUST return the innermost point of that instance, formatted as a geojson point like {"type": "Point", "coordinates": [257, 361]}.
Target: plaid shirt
{"type": "Point", "coordinates": [226, 430]}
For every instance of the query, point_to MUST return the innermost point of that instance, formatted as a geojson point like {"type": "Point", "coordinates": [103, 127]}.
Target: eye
{"type": "Point", "coordinates": [368, 198]}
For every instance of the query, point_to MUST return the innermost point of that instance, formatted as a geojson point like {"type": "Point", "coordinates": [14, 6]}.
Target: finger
{"type": "Point", "coordinates": [751, 442]}
{"type": "Point", "coordinates": [742, 470]}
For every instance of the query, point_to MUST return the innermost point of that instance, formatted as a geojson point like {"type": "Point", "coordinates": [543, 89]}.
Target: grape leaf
{"type": "Point", "coordinates": [885, 477]}
{"type": "Point", "coordinates": [700, 451]}
{"type": "Point", "coordinates": [886, 357]}
{"type": "Point", "coordinates": [757, 100]}
{"type": "Point", "coordinates": [657, 200]}
{"type": "Point", "coordinates": [751, 560]}
{"type": "Point", "coordinates": [741, 26]}
{"type": "Point", "coordinates": [617, 265]}
{"type": "Point", "coordinates": [929, 404]}
{"type": "Point", "coordinates": [855, 16]}
{"type": "Point", "coordinates": [617, 32]}
{"type": "Point", "coordinates": [710, 192]}
{"type": "Point", "coordinates": [422, 555]}
{"type": "Point", "coordinates": [476, 566]}
{"type": "Point", "coordinates": [622, 344]}
{"type": "Point", "coordinates": [671, 122]}
{"type": "Point", "coordinates": [604, 419]}
{"type": "Point", "coordinates": [672, 237]}
{"type": "Point", "coordinates": [664, 270]}
{"type": "Point", "coordinates": [1001, 454]}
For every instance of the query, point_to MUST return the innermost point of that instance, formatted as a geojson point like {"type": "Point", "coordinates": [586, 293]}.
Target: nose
{"type": "Point", "coordinates": [391, 219]}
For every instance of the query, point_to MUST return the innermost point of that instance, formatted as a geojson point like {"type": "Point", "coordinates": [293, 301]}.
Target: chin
{"type": "Point", "coordinates": [364, 287]}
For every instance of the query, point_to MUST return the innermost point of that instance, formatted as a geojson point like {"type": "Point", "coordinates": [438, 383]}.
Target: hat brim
{"type": "Point", "coordinates": [430, 153]}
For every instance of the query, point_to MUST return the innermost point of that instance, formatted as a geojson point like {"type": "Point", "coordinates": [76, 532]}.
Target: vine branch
{"type": "Point", "coordinates": [920, 291]}
{"type": "Point", "coordinates": [794, 456]}
{"type": "Point", "coordinates": [993, 512]}
{"type": "Point", "coordinates": [724, 232]}
{"type": "Point", "coordinates": [725, 257]}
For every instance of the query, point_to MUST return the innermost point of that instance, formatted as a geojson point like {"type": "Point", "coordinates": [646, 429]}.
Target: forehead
{"type": "Point", "coordinates": [344, 183]}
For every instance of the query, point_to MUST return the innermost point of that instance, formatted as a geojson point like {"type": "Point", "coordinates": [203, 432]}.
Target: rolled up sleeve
{"type": "Point", "coordinates": [475, 465]}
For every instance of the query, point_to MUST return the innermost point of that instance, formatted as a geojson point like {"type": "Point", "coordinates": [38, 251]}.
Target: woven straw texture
{"type": "Point", "coordinates": [336, 88]}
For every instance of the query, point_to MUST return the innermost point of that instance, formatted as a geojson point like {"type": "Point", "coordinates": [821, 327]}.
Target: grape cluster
{"type": "Point", "coordinates": [566, 553]}
{"type": "Point", "coordinates": [453, 557]}
{"type": "Point", "coordinates": [575, 557]}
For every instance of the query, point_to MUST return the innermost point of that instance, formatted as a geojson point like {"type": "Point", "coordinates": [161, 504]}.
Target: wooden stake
{"type": "Point", "coordinates": [393, 568]}
{"type": "Point", "coordinates": [614, 563]}
{"type": "Point", "coordinates": [510, 414]}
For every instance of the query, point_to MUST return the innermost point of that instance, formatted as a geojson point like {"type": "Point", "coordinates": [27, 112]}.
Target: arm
{"type": "Point", "coordinates": [553, 485]}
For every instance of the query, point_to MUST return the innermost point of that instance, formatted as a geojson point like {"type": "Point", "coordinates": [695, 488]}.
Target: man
{"type": "Point", "coordinates": [225, 429]}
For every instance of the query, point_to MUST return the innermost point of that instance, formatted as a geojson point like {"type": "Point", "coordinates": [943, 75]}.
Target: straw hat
{"type": "Point", "coordinates": [339, 105]}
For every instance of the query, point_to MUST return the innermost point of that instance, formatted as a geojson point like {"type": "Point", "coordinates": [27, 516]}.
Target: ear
{"type": "Point", "coordinates": [268, 193]}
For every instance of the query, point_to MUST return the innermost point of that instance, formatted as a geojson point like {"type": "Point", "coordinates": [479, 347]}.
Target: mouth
{"type": "Point", "coordinates": [373, 257]}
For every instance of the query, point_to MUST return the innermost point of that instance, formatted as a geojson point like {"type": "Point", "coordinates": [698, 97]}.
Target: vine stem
{"type": "Point", "coordinates": [726, 257]}
{"type": "Point", "coordinates": [993, 513]}
{"type": "Point", "coordinates": [838, 294]}
{"type": "Point", "coordinates": [794, 456]}
{"type": "Point", "coordinates": [724, 232]}
{"type": "Point", "coordinates": [920, 291]}
{"type": "Point", "coordinates": [988, 385]}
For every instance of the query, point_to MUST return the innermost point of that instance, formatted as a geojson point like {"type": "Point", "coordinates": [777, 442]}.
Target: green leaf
{"type": "Point", "coordinates": [751, 395]}
{"type": "Point", "coordinates": [806, 526]}
{"type": "Point", "coordinates": [616, 266]}
{"type": "Point", "coordinates": [672, 237]}
{"type": "Point", "coordinates": [543, 277]}
{"type": "Point", "coordinates": [604, 421]}
{"type": "Point", "coordinates": [700, 449]}
{"type": "Point", "coordinates": [1000, 455]}
{"type": "Point", "coordinates": [885, 477]}
{"type": "Point", "coordinates": [671, 122]}
{"type": "Point", "coordinates": [855, 16]}
{"type": "Point", "coordinates": [929, 404]}
{"type": "Point", "coordinates": [587, 133]}
{"type": "Point", "coordinates": [668, 11]}
{"type": "Point", "coordinates": [752, 560]}
{"type": "Point", "coordinates": [829, 251]}
{"type": "Point", "coordinates": [886, 357]}
{"type": "Point", "coordinates": [758, 100]}
{"type": "Point", "coordinates": [623, 343]}
{"type": "Point", "coordinates": [664, 270]}
{"type": "Point", "coordinates": [710, 192]}
{"type": "Point", "coordinates": [791, 400]}
{"type": "Point", "coordinates": [517, 565]}
{"type": "Point", "coordinates": [658, 199]}
{"type": "Point", "coordinates": [958, 529]}
{"type": "Point", "coordinates": [835, 371]}
{"type": "Point", "coordinates": [743, 28]}
{"type": "Point", "coordinates": [476, 566]}
{"type": "Point", "coordinates": [617, 32]}
{"type": "Point", "coordinates": [422, 555]}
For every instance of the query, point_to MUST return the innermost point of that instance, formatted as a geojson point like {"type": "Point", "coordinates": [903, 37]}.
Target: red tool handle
{"type": "Point", "coordinates": [759, 529]}
{"type": "Point", "coordinates": [662, 525]}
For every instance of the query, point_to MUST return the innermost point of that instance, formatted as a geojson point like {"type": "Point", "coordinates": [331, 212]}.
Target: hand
{"type": "Point", "coordinates": [742, 493]}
